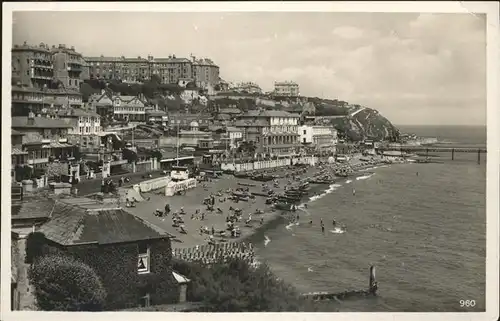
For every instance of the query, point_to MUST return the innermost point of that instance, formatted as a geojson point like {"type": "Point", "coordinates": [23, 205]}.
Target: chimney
{"type": "Point", "coordinates": [31, 118]}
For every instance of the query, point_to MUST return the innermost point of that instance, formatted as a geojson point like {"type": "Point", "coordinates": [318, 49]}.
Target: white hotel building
{"type": "Point", "coordinates": [321, 138]}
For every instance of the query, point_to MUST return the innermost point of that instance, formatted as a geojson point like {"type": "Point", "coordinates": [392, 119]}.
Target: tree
{"type": "Point", "coordinates": [34, 246]}
{"type": "Point", "coordinates": [155, 79]}
{"type": "Point", "coordinates": [129, 155]}
{"type": "Point", "coordinates": [64, 284]}
{"type": "Point", "coordinates": [86, 90]}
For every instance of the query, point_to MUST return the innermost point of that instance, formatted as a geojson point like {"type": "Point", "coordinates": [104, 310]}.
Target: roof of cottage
{"type": "Point", "coordinates": [71, 225]}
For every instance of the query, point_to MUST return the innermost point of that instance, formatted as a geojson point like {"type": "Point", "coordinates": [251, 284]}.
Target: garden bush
{"type": "Point", "coordinates": [64, 284]}
{"type": "Point", "coordinates": [236, 286]}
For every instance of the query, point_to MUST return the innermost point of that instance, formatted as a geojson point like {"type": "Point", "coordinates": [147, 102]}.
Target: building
{"type": "Point", "coordinates": [43, 101]}
{"type": "Point", "coordinates": [248, 87]}
{"type": "Point", "coordinates": [68, 66]}
{"type": "Point", "coordinates": [130, 108]}
{"type": "Point", "coordinates": [83, 122]}
{"type": "Point", "coordinates": [39, 66]}
{"type": "Point", "coordinates": [286, 88]}
{"type": "Point", "coordinates": [42, 140]}
{"type": "Point", "coordinates": [86, 128]}
{"type": "Point", "coordinates": [320, 138]}
{"type": "Point", "coordinates": [273, 132]}
{"type": "Point", "coordinates": [234, 136]}
{"type": "Point", "coordinates": [170, 70]}
{"type": "Point", "coordinates": [131, 256]}
{"type": "Point", "coordinates": [102, 104]}
{"type": "Point", "coordinates": [32, 66]}
{"type": "Point", "coordinates": [205, 72]}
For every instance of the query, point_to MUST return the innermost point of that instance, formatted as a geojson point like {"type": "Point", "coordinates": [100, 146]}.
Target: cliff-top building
{"type": "Point", "coordinates": [249, 87]}
{"type": "Point", "coordinates": [170, 70]}
{"type": "Point", "coordinates": [286, 88]}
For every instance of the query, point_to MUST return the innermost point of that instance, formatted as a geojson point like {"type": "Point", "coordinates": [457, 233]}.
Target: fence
{"type": "Point", "coordinates": [210, 254]}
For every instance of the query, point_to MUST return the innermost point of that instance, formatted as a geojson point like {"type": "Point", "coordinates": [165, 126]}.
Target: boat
{"type": "Point", "coordinates": [241, 175]}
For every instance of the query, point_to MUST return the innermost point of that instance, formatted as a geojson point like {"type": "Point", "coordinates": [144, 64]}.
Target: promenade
{"type": "Point", "coordinates": [90, 186]}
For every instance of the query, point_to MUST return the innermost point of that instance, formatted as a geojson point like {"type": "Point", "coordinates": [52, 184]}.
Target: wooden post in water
{"type": "Point", "coordinates": [373, 283]}
{"type": "Point", "coordinates": [479, 156]}
{"type": "Point", "coordinates": [453, 154]}
{"type": "Point", "coordinates": [427, 152]}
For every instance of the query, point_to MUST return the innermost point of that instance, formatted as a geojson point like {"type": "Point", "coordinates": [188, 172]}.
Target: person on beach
{"type": "Point", "coordinates": [353, 191]}
{"type": "Point", "coordinates": [311, 222]}
{"type": "Point", "coordinates": [322, 228]}
{"type": "Point", "coordinates": [261, 220]}
{"type": "Point", "coordinates": [334, 223]}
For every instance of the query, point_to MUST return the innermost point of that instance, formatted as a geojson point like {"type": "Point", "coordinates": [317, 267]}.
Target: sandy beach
{"type": "Point", "coordinates": [192, 202]}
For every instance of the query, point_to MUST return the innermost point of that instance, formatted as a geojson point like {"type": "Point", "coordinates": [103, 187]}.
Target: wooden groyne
{"type": "Point", "coordinates": [213, 253]}
{"type": "Point", "coordinates": [350, 294]}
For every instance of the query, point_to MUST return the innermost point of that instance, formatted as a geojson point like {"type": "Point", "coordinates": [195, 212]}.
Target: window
{"type": "Point", "coordinates": [304, 140]}
{"type": "Point", "coordinates": [304, 131]}
{"type": "Point", "coordinates": [143, 259]}
{"type": "Point", "coordinates": [145, 301]}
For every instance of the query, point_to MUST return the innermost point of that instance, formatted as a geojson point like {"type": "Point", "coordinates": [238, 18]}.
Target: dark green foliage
{"type": "Point", "coordinates": [35, 243]}
{"type": "Point", "coordinates": [238, 287]}
{"type": "Point", "coordinates": [129, 155]}
{"type": "Point", "coordinates": [23, 172]}
{"type": "Point", "coordinates": [157, 154]}
{"type": "Point", "coordinates": [116, 265]}
{"type": "Point", "coordinates": [64, 284]}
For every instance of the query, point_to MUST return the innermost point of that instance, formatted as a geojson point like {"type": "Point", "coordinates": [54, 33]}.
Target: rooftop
{"type": "Point", "coordinates": [229, 111]}
{"type": "Point", "coordinates": [16, 133]}
{"type": "Point", "coordinates": [269, 113]}
{"type": "Point", "coordinates": [39, 122]}
{"type": "Point", "coordinates": [75, 112]}
{"type": "Point", "coordinates": [72, 224]}
{"type": "Point", "coordinates": [32, 208]}
{"type": "Point", "coordinates": [251, 123]}
{"type": "Point", "coordinates": [61, 91]}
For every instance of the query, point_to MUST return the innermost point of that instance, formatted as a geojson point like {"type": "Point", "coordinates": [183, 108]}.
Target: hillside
{"type": "Point", "coordinates": [368, 123]}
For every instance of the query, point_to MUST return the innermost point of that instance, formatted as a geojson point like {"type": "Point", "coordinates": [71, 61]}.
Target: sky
{"type": "Point", "coordinates": [416, 69]}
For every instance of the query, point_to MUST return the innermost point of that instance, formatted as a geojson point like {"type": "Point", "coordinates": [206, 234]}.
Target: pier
{"type": "Point", "coordinates": [371, 291]}
{"type": "Point", "coordinates": [431, 149]}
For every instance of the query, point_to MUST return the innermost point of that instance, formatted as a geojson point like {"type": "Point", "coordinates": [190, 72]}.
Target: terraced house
{"type": "Point", "coordinates": [40, 140]}
{"type": "Point", "coordinates": [170, 70]}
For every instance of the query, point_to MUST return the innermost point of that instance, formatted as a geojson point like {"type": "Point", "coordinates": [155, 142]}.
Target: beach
{"type": "Point", "coordinates": [262, 214]}
{"type": "Point", "coordinates": [193, 201]}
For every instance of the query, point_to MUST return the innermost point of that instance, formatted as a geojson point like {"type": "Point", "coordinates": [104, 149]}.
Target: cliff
{"type": "Point", "coordinates": [368, 123]}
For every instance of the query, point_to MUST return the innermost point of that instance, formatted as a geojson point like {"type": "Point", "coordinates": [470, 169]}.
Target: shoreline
{"type": "Point", "coordinates": [253, 233]}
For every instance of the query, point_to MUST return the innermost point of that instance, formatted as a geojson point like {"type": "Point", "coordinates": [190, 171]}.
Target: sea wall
{"type": "Point", "coordinates": [152, 184]}
{"type": "Point", "coordinates": [266, 164]}
{"type": "Point", "coordinates": [174, 187]}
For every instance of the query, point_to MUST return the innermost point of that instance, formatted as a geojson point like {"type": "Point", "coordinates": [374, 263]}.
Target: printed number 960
{"type": "Point", "coordinates": [467, 303]}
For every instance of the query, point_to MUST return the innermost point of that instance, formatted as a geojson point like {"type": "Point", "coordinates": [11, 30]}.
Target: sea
{"type": "Point", "coordinates": [422, 226]}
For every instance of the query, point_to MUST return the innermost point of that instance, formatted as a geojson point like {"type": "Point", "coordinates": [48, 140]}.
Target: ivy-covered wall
{"type": "Point", "coordinates": [116, 264]}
